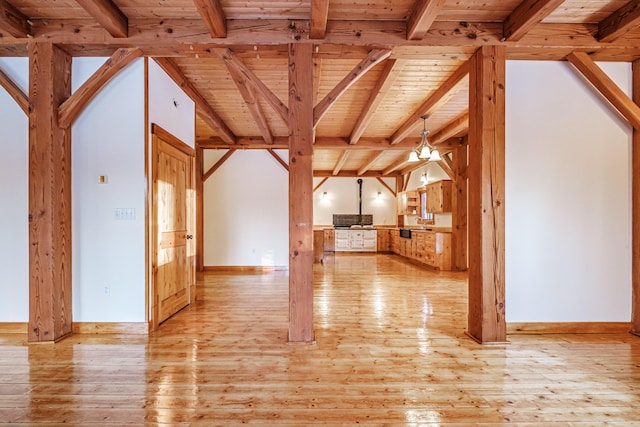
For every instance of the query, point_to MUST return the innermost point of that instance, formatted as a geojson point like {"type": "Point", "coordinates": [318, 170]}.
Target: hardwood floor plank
{"type": "Point", "coordinates": [390, 350]}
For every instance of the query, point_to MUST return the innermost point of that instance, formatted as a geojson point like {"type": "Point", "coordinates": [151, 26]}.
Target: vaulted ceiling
{"type": "Point", "coordinates": [379, 65]}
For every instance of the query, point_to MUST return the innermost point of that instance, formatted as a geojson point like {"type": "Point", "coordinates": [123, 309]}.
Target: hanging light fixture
{"type": "Point", "coordinates": [424, 150]}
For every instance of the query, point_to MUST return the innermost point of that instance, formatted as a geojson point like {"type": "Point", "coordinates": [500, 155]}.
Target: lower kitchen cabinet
{"type": "Point", "coordinates": [383, 240]}
{"type": "Point", "coordinates": [432, 248]}
{"type": "Point", "coordinates": [329, 239]}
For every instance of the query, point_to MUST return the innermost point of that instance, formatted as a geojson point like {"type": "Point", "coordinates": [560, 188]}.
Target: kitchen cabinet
{"type": "Point", "coordinates": [329, 239]}
{"type": "Point", "coordinates": [383, 237]}
{"type": "Point", "coordinates": [431, 248]}
{"type": "Point", "coordinates": [438, 195]}
{"type": "Point", "coordinates": [408, 203]}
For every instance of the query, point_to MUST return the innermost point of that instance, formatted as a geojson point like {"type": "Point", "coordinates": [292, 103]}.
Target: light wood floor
{"type": "Point", "coordinates": [390, 350]}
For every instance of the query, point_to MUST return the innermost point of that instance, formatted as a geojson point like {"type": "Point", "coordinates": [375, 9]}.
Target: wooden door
{"type": "Point", "coordinates": [173, 281]}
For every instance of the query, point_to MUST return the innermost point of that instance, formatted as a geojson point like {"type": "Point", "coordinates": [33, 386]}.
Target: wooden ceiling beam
{"type": "Point", "coordinates": [373, 58]}
{"type": "Point", "coordinates": [350, 174]}
{"type": "Point", "coordinates": [248, 95]}
{"type": "Point", "coordinates": [319, 16]}
{"type": "Point", "coordinates": [390, 73]}
{"type": "Point", "coordinates": [108, 15]}
{"type": "Point", "coordinates": [422, 17]}
{"type": "Point", "coordinates": [374, 158]}
{"type": "Point", "coordinates": [76, 103]}
{"type": "Point", "coordinates": [607, 87]}
{"type": "Point", "coordinates": [205, 111]}
{"type": "Point", "coordinates": [619, 22]}
{"type": "Point", "coordinates": [14, 91]}
{"type": "Point", "coordinates": [13, 21]}
{"type": "Point", "coordinates": [232, 61]}
{"type": "Point", "coordinates": [438, 98]}
{"type": "Point", "coordinates": [344, 155]}
{"type": "Point", "coordinates": [282, 142]}
{"type": "Point", "coordinates": [450, 129]}
{"type": "Point", "coordinates": [175, 37]}
{"type": "Point", "coordinates": [400, 162]}
{"type": "Point", "coordinates": [213, 16]}
{"type": "Point", "coordinates": [526, 16]}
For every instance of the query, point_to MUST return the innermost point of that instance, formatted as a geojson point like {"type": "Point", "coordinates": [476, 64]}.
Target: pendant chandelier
{"type": "Point", "coordinates": [424, 150]}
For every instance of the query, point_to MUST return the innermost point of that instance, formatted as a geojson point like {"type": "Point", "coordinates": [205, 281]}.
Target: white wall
{"type": "Point", "coordinates": [109, 254]}
{"type": "Point", "coordinates": [342, 198]}
{"type": "Point", "coordinates": [246, 210]}
{"type": "Point", "coordinates": [568, 204]}
{"type": "Point", "coordinates": [169, 106]}
{"type": "Point", "coordinates": [14, 192]}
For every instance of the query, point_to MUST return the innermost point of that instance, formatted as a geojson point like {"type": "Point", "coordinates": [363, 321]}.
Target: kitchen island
{"type": "Point", "coordinates": [430, 246]}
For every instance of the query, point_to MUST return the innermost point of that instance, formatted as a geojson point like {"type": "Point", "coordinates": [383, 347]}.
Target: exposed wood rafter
{"type": "Point", "coordinates": [527, 15]}
{"type": "Point", "coordinates": [422, 16]}
{"type": "Point", "coordinates": [453, 128]}
{"type": "Point", "coordinates": [15, 91]}
{"type": "Point", "coordinates": [380, 180]}
{"type": "Point", "coordinates": [213, 17]}
{"type": "Point", "coordinates": [76, 103]}
{"type": "Point", "coordinates": [108, 16]}
{"type": "Point", "coordinates": [232, 61]}
{"type": "Point", "coordinates": [365, 167]}
{"type": "Point", "coordinates": [446, 165]}
{"type": "Point", "coordinates": [400, 162]}
{"type": "Point", "coordinates": [319, 15]}
{"type": "Point", "coordinates": [13, 21]}
{"type": "Point", "coordinates": [390, 73]}
{"type": "Point", "coordinates": [321, 142]}
{"type": "Point", "coordinates": [619, 22]}
{"type": "Point", "coordinates": [439, 97]}
{"type": "Point", "coordinates": [249, 97]}
{"type": "Point", "coordinates": [218, 164]}
{"type": "Point", "coordinates": [373, 58]}
{"type": "Point", "coordinates": [278, 159]}
{"type": "Point", "coordinates": [340, 163]}
{"type": "Point", "coordinates": [607, 87]}
{"type": "Point", "coordinates": [205, 111]}
{"type": "Point", "coordinates": [320, 183]}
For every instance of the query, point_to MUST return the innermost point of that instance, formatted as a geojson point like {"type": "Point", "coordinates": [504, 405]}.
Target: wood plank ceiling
{"type": "Point", "coordinates": [379, 65]}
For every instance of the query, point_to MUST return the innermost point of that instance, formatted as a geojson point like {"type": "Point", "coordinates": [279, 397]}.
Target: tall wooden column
{"type": "Point", "coordinates": [459, 209]}
{"type": "Point", "coordinates": [49, 195]}
{"type": "Point", "coordinates": [486, 322]}
{"type": "Point", "coordinates": [199, 172]}
{"type": "Point", "coordinates": [300, 193]}
{"type": "Point", "coordinates": [635, 210]}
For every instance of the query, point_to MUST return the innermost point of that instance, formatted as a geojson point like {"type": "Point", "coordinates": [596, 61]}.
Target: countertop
{"type": "Point", "coordinates": [413, 228]}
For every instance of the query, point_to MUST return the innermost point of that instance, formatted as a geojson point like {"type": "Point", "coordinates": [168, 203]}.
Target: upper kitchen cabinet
{"type": "Point", "coordinates": [439, 196]}
{"type": "Point", "coordinates": [408, 203]}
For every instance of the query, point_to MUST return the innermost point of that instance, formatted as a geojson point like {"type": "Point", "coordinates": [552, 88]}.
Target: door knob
{"type": "Point", "coordinates": [189, 236]}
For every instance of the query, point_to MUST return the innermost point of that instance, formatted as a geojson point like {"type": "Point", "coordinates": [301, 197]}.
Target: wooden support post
{"type": "Point", "coordinates": [300, 193]}
{"type": "Point", "coordinates": [49, 195]}
{"type": "Point", "coordinates": [399, 189]}
{"type": "Point", "coordinates": [486, 322]}
{"type": "Point", "coordinates": [635, 210]}
{"type": "Point", "coordinates": [199, 172]}
{"type": "Point", "coordinates": [459, 208]}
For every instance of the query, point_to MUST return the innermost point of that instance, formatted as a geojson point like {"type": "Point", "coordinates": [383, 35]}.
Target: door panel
{"type": "Point", "coordinates": [173, 276]}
